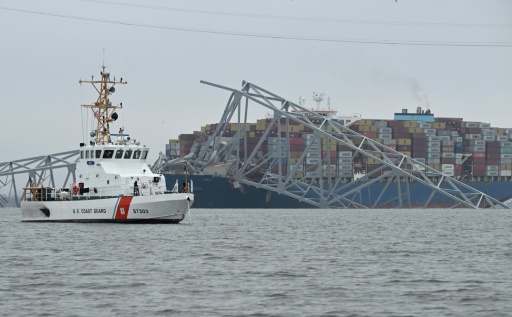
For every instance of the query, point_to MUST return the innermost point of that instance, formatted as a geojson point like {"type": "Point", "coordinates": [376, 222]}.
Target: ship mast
{"type": "Point", "coordinates": [103, 110]}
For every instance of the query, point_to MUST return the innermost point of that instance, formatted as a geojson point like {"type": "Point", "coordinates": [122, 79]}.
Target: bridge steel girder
{"type": "Point", "coordinates": [40, 168]}
{"type": "Point", "coordinates": [333, 191]}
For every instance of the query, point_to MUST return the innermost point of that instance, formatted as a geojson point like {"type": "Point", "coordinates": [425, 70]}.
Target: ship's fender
{"type": "Point", "coordinates": [75, 190]}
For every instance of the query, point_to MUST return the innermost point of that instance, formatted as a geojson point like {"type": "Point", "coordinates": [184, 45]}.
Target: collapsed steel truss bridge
{"type": "Point", "coordinates": [40, 168]}
{"type": "Point", "coordinates": [252, 166]}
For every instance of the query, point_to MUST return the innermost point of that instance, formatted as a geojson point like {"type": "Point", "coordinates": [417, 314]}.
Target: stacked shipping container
{"type": "Point", "coordinates": [450, 145]}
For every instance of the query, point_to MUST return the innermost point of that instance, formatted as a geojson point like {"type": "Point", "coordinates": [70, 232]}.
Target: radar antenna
{"type": "Point", "coordinates": [103, 110]}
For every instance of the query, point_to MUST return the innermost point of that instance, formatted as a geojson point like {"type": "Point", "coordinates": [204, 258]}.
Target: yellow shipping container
{"type": "Point", "coordinates": [439, 125]}
{"type": "Point", "coordinates": [435, 166]}
{"type": "Point", "coordinates": [203, 129]}
{"type": "Point", "coordinates": [173, 141]}
{"type": "Point", "coordinates": [407, 153]}
{"type": "Point", "coordinates": [366, 122]}
{"type": "Point", "coordinates": [499, 131]}
{"type": "Point", "coordinates": [293, 161]}
{"type": "Point", "coordinates": [403, 141]}
{"type": "Point", "coordinates": [299, 174]}
{"type": "Point", "coordinates": [411, 124]}
{"type": "Point", "coordinates": [370, 160]}
{"type": "Point", "coordinates": [506, 166]}
{"type": "Point", "coordinates": [252, 134]}
{"type": "Point", "coordinates": [415, 130]}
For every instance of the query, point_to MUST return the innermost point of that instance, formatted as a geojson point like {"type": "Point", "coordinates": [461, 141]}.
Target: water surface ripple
{"type": "Point", "coordinates": [262, 263]}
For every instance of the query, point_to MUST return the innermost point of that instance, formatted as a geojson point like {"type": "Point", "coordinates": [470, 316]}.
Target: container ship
{"type": "Point", "coordinates": [475, 153]}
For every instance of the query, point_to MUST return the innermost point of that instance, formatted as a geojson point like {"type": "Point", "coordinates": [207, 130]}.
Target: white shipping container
{"type": "Point", "coordinates": [385, 136]}
{"type": "Point", "coordinates": [473, 136]}
{"type": "Point", "coordinates": [433, 138]}
{"type": "Point", "coordinates": [492, 173]}
{"type": "Point", "coordinates": [299, 168]}
{"type": "Point", "coordinates": [501, 138]}
{"type": "Point", "coordinates": [312, 160]}
{"type": "Point", "coordinates": [489, 137]}
{"type": "Point", "coordinates": [433, 155]}
{"type": "Point", "coordinates": [492, 167]}
{"type": "Point", "coordinates": [345, 154]}
{"type": "Point", "coordinates": [447, 167]}
{"type": "Point", "coordinates": [448, 143]}
{"type": "Point", "coordinates": [506, 173]}
{"type": "Point", "coordinates": [469, 124]}
{"type": "Point", "coordinates": [380, 123]}
{"type": "Point", "coordinates": [449, 173]}
{"type": "Point", "coordinates": [345, 167]}
{"type": "Point", "coordinates": [434, 144]}
{"type": "Point", "coordinates": [448, 154]}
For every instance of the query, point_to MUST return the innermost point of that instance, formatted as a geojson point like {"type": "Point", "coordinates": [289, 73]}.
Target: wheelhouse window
{"type": "Point", "coordinates": [98, 153]}
{"type": "Point", "coordinates": [119, 154]}
{"type": "Point", "coordinates": [144, 155]}
{"type": "Point", "coordinates": [128, 154]}
{"type": "Point", "coordinates": [136, 155]}
{"type": "Point", "coordinates": [81, 154]}
{"type": "Point", "coordinates": [92, 153]}
{"type": "Point", "coordinates": [108, 154]}
{"type": "Point", "coordinates": [86, 154]}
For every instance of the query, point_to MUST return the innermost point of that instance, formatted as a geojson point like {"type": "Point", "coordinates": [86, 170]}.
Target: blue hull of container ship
{"type": "Point", "coordinates": [218, 192]}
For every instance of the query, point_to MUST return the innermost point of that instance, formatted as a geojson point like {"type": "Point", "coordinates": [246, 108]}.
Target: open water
{"type": "Point", "coordinates": [262, 263]}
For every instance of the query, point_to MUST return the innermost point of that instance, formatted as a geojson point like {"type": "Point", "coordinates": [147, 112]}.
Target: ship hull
{"type": "Point", "coordinates": [167, 208]}
{"type": "Point", "coordinates": [208, 189]}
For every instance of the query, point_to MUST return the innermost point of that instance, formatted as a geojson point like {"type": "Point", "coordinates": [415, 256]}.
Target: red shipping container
{"type": "Point", "coordinates": [478, 167]}
{"type": "Point", "coordinates": [295, 140]}
{"type": "Point", "coordinates": [370, 134]}
{"type": "Point", "coordinates": [478, 154]}
{"type": "Point", "coordinates": [479, 173]}
{"type": "Point", "coordinates": [448, 160]}
{"type": "Point", "coordinates": [479, 161]}
{"type": "Point", "coordinates": [447, 149]}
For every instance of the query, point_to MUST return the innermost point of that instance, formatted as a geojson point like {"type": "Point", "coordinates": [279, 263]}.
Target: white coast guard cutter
{"type": "Point", "coordinates": [113, 181]}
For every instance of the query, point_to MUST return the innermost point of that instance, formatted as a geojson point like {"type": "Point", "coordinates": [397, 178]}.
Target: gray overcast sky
{"type": "Point", "coordinates": [43, 56]}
